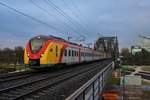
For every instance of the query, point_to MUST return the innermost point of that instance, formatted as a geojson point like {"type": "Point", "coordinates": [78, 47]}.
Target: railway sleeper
{"type": "Point", "coordinates": [4, 98]}
{"type": "Point", "coordinates": [7, 95]}
{"type": "Point", "coordinates": [45, 91]}
{"type": "Point", "coordinates": [21, 90]}
{"type": "Point", "coordinates": [15, 92]}
{"type": "Point", "coordinates": [35, 96]}
{"type": "Point", "coordinates": [29, 99]}
{"type": "Point", "coordinates": [41, 93]}
{"type": "Point", "coordinates": [27, 88]}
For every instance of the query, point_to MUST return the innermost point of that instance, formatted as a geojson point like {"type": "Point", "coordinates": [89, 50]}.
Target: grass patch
{"type": "Point", "coordinates": [146, 92]}
{"type": "Point", "coordinates": [128, 68]}
{"type": "Point", "coordinates": [145, 83]}
{"type": "Point", "coordinates": [113, 80]}
{"type": "Point", "coordinates": [146, 68]}
{"type": "Point", "coordinates": [12, 67]}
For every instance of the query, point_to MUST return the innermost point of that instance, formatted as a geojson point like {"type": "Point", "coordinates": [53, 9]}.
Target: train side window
{"type": "Point", "coordinates": [51, 50]}
{"type": "Point", "coordinates": [76, 53]}
{"type": "Point", "coordinates": [69, 53]}
{"type": "Point", "coordinates": [65, 52]}
{"type": "Point", "coordinates": [72, 53]}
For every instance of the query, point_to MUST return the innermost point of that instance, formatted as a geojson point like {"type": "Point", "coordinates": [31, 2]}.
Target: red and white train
{"type": "Point", "coordinates": [47, 51]}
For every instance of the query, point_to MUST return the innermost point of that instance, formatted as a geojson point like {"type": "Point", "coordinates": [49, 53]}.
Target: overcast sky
{"type": "Point", "coordinates": [125, 19]}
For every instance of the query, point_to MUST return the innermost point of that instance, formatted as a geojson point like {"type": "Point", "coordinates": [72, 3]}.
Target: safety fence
{"type": "Point", "coordinates": [94, 87]}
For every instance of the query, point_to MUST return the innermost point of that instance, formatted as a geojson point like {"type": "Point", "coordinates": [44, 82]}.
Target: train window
{"type": "Point", "coordinates": [36, 44]}
{"type": "Point", "coordinates": [72, 52]}
{"type": "Point", "coordinates": [75, 53]}
{"type": "Point", "coordinates": [51, 50]}
{"type": "Point", "coordinates": [65, 52]}
{"type": "Point", "coordinates": [69, 53]}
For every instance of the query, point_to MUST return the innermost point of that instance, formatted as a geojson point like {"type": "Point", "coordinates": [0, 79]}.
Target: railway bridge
{"type": "Point", "coordinates": [92, 90]}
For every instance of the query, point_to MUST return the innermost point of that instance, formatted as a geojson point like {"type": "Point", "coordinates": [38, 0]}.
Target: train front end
{"type": "Point", "coordinates": [36, 52]}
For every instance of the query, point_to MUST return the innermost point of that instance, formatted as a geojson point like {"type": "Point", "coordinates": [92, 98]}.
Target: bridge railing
{"type": "Point", "coordinates": [93, 88]}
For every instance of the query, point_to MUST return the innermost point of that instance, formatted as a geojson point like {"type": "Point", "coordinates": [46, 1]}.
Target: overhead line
{"type": "Point", "coordinates": [50, 3]}
{"type": "Point", "coordinates": [53, 15]}
{"type": "Point", "coordinates": [73, 12]}
{"type": "Point", "coordinates": [26, 15]}
{"type": "Point", "coordinates": [78, 15]}
{"type": "Point", "coordinates": [77, 9]}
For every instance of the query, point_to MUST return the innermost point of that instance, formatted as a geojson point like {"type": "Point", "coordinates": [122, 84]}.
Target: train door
{"type": "Point", "coordinates": [67, 55]}
{"type": "Point", "coordinates": [55, 53]}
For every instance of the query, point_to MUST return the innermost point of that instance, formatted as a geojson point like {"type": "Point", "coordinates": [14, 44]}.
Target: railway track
{"type": "Point", "coordinates": [22, 77]}
{"type": "Point", "coordinates": [18, 78]}
{"type": "Point", "coordinates": [143, 72]}
{"type": "Point", "coordinates": [16, 75]}
{"type": "Point", "coordinates": [144, 76]}
{"type": "Point", "coordinates": [26, 89]}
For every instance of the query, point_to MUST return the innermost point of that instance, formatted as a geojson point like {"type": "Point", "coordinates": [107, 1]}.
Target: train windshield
{"type": "Point", "coordinates": [36, 44]}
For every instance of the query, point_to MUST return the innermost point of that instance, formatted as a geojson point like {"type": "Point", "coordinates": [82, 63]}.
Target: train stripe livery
{"type": "Point", "coordinates": [47, 51]}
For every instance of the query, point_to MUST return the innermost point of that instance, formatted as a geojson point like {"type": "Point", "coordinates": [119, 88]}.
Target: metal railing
{"type": "Point", "coordinates": [93, 88]}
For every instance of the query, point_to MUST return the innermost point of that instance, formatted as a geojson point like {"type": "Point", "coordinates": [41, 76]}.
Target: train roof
{"type": "Point", "coordinates": [55, 38]}
{"type": "Point", "coordinates": [51, 37]}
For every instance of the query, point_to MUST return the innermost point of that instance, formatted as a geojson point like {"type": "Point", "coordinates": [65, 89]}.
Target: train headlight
{"type": "Point", "coordinates": [41, 55]}
{"type": "Point", "coordinates": [28, 54]}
